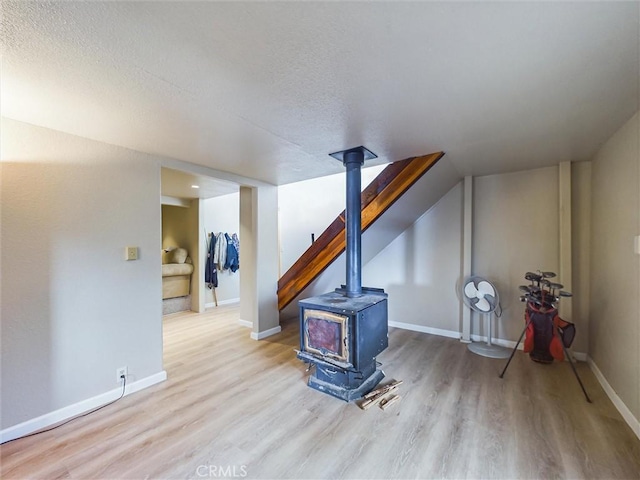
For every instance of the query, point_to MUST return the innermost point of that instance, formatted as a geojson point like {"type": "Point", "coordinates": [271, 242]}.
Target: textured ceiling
{"type": "Point", "coordinates": [266, 90]}
{"type": "Point", "coordinates": [180, 184]}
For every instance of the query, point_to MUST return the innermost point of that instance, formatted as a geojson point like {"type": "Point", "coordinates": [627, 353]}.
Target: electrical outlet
{"type": "Point", "coordinates": [131, 253]}
{"type": "Point", "coordinates": [120, 372]}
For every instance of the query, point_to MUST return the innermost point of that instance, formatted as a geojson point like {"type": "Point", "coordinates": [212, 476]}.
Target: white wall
{"type": "Point", "coordinates": [614, 341]}
{"type": "Point", "coordinates": [581, 246]}
{"type": "Point", "coordinates": [73, 310]}
{"type": "Point", "coordinates": [425, 193]}
{"type": "Point", "coordinates": [177, 230]}
{"type": "Point", "coordinates": [309, 207]}
{"type": "Point", "coordinates": [420, 268]}
{"type": "Point", "coordinates": [259, 234]}
{"type": "Point", "coordinates": [222, 214]}
{"type": "Point", "coordinates": [515, 230]}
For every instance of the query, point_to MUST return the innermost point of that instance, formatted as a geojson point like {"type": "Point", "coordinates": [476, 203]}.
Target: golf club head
{"type": "Point", "coordinates": [532, 277]}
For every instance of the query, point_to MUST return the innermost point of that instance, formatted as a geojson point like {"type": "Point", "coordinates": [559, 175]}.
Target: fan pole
{"type": "Point", "coordinates": [489, 330]}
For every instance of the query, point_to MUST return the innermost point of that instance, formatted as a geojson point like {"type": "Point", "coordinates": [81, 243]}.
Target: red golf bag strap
{"type": "Point", "coordinates": [555, 347]}
{"type": "Point", "coordinates": [530, 333]}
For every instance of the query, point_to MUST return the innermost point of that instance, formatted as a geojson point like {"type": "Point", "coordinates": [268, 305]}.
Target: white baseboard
{"type": "Point", "coordinates": [266, 333]}
{"type": "Point", "coordinates": [245, 323]}
{"type": "Point", "coordinates": [632, 421]}
{"type": "Point", "coordinates": [476, 338]}
{"type": "Point", "coordinates": [76, 409]}
{"type": "Point", "coordinates": [580, 356]}
{"type": "Point", "coordinates": [222, 302]}
{"type": "Point", "coordinates": [421, 328]}
{"type": "Point", "coordinates": [497, 341]}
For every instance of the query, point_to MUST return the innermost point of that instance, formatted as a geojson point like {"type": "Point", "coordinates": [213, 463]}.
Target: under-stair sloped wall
{"type": "Point", "coordinates": [420, 268]}
{"type": "Point", "coordinates": [401, 215]}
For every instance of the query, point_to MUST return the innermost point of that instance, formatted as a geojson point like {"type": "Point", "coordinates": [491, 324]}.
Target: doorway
{"type": "Point", "coordinates": [193, 207]}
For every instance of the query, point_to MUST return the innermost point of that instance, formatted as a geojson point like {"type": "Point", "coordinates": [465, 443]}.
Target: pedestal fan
{"type": "Point", "coordinates": [481, 296]}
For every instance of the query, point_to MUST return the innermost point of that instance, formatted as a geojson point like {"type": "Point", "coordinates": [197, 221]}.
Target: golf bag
{"type": "Point", "coordinates": [546, 333]}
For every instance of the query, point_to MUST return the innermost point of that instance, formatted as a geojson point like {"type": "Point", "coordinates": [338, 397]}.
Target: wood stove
{"type": "Point", "coordinates": [343, 331]}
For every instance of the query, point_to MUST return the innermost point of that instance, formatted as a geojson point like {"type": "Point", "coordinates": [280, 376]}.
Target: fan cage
{"type": "Point", "coordinates": [472, 301]}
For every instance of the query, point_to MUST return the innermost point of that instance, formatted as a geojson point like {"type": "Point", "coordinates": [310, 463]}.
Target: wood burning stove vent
{"type": "Point", "coordinates": [342, 332]}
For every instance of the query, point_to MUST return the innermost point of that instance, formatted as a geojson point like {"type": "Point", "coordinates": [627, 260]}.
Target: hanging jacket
{"type": "Point", "coordinates": [232, 261]}
{"type": "Point", "coordinates": [210, 270]}
{"type": "Point", "coordinates": [220, 255]}
{"type": "Point", "coordinates": [236, 243]}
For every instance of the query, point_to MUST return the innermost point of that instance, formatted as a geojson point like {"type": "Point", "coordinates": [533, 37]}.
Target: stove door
{"type": "Point", "coordinates": [326, 334]}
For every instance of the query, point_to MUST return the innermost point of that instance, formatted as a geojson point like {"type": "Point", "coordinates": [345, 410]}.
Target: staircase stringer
{"type": "Point", "coordinates": [380, 194]}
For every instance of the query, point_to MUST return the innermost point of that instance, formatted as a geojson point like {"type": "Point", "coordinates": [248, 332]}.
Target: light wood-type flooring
{"type": "Point", "coordinates": [239, 408]}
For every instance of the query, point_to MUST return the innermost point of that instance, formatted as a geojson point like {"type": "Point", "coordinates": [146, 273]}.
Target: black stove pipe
{"type": "Point", "coordinates": [353, 160]}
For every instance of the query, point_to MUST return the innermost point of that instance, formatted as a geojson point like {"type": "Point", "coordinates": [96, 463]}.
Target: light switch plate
{"type": "Point", "coordinates": [131, 253]}
{"type": "Point", "coordinates": [636, 244]}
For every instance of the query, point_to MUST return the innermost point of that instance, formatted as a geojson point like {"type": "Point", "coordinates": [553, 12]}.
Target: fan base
{"type": "Point", "coordinates": [491, 351]}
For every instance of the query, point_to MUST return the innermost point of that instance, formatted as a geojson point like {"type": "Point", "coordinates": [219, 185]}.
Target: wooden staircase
{"type": "Point", "coordinates": [381, 193]}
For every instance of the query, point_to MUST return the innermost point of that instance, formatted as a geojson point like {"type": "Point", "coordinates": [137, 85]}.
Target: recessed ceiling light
{"type": "Point", "coordinates": [195, 186]}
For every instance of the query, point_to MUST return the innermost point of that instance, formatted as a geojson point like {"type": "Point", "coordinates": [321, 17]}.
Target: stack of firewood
{"type": "Point", "coordinates": [383, 396]}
